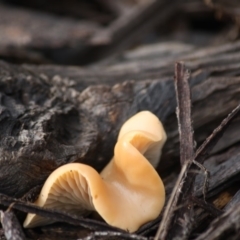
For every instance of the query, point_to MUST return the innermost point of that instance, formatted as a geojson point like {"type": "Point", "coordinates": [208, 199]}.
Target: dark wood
{"type": "Point", "coordinates": [226, 226]}
{"type": "Point", "coordinates": [224, 171]}
{"type": "Point", "coordinates": [234, 201]}
{"type": "Point", "coordinates": [183, 112]}
{"type": "Point", "coordinates": [11, 226]}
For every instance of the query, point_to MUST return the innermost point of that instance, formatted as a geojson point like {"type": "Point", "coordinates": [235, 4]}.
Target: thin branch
{"type": "Point", "coordinates": [171, 206]}
{"type": "Point", "coordinates": [211, 141]}
{"type": "Point", "coordinates": [56, 215]}
{"type": "Point", "coordinates": [184, 113]}
{"type": "Point", "coordinates": [186, 145]}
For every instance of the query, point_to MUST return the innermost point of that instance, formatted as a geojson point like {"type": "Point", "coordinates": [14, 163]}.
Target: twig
{"type": "Point", "coordinates": [56, 215]}
{"type": "Point", "coordinates": [211, 141]}
{"type": "Point", "coordinates": [171, 206]}
{"type": "Point", "coordinates": [184, 113]}
{"type": "Point", "coordinates": [186, 145]}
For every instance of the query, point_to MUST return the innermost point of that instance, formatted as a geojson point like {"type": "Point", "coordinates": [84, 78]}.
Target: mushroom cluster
{"type": "Point", "coordinates": [126, 194]}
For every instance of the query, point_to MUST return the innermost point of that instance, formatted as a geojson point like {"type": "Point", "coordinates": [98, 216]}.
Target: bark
{"type": "Point", "coordinates": [49, 119]}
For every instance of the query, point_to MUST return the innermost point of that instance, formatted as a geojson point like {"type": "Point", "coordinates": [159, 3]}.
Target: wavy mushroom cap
{"type": "Point", "coordinates": [69, 188]}
{"type": "Point", "coordinates": [147, 122]}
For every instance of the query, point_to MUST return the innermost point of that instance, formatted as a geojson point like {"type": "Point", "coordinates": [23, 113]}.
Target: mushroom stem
{"type": "Point", "coordinates": [136, 188]}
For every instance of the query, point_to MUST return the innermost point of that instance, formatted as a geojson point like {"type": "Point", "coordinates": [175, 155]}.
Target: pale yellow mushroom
{"type": "Point", "coordinates": [127, 194]}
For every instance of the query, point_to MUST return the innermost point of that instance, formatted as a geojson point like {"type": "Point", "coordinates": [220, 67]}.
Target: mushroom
{"type": "Point", "coordinates": [127, 193]}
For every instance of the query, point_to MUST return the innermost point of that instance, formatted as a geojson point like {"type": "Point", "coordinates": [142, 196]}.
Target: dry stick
{"type": "Point", "coordinates": [186, 142]}
{"type": "Point", "coordinates": [184, 113]}
{"type": "Point", "coordinates": [211, 141]}
{"type": "Point", "coordinates": [70, 219]}
{"type": "Point", "coordinates": [171, 206]}
{"type": "Point", "coordinates": [56, 215]}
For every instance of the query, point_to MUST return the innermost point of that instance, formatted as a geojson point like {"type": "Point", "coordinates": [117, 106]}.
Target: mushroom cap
{"type": "Point", "coordinates": [67, 189]}
{"type": "Point", "coordinates": [147, 122]}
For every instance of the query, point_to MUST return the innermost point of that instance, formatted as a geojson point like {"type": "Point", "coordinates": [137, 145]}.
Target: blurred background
{"type": "Point", "coordinates": [83, 32]}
